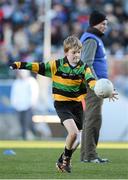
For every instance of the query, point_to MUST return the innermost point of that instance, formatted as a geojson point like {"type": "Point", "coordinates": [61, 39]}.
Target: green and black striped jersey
{"type": "Point", "coordinates": [68, 83]}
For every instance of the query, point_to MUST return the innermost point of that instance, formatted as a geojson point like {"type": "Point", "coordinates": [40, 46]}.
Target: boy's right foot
{"type": "Point", "coordinates": [64, 166]}
{"type": "Point", "coordinates": [59, 166]}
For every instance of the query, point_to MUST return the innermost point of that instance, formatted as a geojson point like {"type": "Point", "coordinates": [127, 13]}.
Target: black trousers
{"type": "Point", "coordinates": [25, 118]}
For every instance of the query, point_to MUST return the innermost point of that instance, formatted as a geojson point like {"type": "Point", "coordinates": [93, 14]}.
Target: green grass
{"type": "Point", "coordinates": [39, 163]}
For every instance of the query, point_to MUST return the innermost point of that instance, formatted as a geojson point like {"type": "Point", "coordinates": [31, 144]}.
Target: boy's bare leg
{"type": "Point", "coordinates": [77, 141]}
{"type": "Point", "coordinates": [72, 132]}
{"type": "Point", "coordinates": [63, 163]}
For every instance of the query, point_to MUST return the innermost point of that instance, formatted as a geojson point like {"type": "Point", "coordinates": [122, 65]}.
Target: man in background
{"type": "Point", "coordinates": [24, 96]}
{"type": "Point", "coordinates": [94, 55]}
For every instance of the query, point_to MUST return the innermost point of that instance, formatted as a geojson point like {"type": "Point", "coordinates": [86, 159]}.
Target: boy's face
{"type": "Point", "coordinates": [73, 56]}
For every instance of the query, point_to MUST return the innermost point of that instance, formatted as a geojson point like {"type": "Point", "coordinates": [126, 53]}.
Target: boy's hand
{"type": "Point", "coordinates": [113, 97]}
{"type": "Point", "coordinates": [14, 65]}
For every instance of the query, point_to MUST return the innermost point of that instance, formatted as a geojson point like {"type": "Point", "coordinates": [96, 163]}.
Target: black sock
{"type": "Point", "coordinates": [67, 152]}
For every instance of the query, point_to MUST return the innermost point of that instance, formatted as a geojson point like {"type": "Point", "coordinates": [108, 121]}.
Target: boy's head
{"type": "Point", "coordinates": [72, 42]}
{"type": "Point", "coordinates": [72, 49]}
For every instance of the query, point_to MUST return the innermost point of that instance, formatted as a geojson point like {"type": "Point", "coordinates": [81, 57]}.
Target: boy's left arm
{"type": "Point", "coordinates": [91, 81]}
{"type": "Point", "coordinates": [89, 77]}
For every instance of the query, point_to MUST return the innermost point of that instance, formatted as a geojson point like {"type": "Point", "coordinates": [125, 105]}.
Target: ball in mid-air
{"type": "Point", "coordinates": [103, 88]}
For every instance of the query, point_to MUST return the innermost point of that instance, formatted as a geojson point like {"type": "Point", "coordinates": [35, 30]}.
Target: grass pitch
{"type": "Point", "coordinates": [36, 160]}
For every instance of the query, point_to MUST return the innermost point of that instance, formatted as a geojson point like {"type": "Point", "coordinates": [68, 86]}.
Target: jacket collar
{"type": "Point", "coordinates": [95, 31]}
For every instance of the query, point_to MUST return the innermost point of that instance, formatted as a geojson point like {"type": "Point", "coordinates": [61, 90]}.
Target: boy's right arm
{"type": "Point", "coordinates": [35, 67]}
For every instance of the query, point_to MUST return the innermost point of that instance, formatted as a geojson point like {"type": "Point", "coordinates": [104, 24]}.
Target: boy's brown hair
{"type": "Point", "coordinates": [72, 42]}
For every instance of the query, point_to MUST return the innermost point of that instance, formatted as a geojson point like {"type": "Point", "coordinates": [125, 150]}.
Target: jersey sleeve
{"type": "Point", "coordinates": [89, 77]}
{"type": "Point", "coordinates": [45, 69]}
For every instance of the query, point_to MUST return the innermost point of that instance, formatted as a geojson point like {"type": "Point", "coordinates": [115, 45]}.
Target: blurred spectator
{"type": "Point", "coordinates": [24, 96]}
{"type": "Point", "coordinates": [21, 29]}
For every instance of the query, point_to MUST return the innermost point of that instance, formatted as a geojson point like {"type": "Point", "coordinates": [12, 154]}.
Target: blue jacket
{"type": "Point", "coordinates": [100, 61]}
